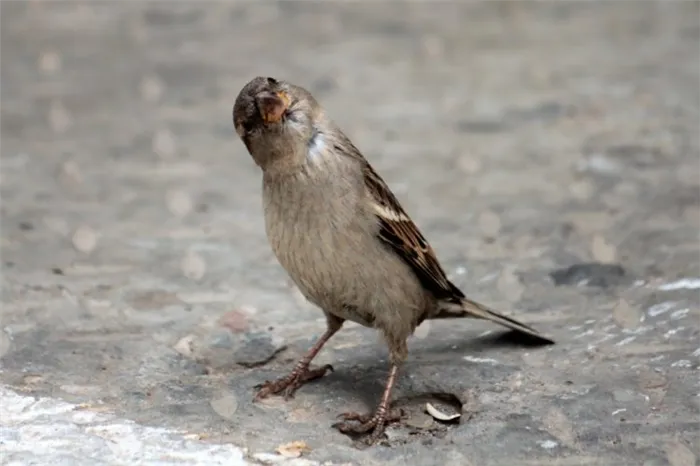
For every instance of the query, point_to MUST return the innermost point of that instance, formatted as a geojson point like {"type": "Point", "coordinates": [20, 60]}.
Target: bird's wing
{"type": "Point", "coordinates": [399, 232]}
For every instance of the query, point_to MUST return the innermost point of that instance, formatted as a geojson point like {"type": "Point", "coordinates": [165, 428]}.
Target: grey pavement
{"type": "Point", "coordinates": [549, 150]}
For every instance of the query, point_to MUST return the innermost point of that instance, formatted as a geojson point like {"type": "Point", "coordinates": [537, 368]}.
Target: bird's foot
{"type": "Point", "coordinates": [289, 384]}
{"type": "Point", "coordinates": [373, 424]}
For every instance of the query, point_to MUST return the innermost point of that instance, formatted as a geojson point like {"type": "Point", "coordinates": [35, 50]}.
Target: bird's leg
{"type": "Point", "coordinates": [301, 372]}
{"type": "Point", "coordinates": [376, 422]}
{"type": "Point", "coordinates": [382, 416]}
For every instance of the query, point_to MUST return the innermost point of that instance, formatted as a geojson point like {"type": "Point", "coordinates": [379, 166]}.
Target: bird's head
{"type": "Point", "coordinates": [276, 121]}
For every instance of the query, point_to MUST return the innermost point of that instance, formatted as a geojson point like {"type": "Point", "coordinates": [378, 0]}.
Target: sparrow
{"type": "Point", "coordinates": [343, 238]}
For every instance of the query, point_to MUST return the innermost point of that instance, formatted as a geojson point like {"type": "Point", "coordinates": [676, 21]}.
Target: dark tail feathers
{"type": "Point", "coordinates": [468, 308]}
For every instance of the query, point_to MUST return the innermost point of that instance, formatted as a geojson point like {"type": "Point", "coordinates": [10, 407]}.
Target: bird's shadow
{"type": "Point", "coordinates": [509, 339]}
{"type": "Point", "coordinates": [364, 376]}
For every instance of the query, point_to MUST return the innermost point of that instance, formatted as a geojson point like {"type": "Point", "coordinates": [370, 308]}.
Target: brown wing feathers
{"type": "Point", "coordinates": [399, 232]}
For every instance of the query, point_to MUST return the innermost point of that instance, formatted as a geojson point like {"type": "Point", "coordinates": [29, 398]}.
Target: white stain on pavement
{"type": "Point", "coordinates": [480, 360]}
{"type": "Point", "coordinates": [661, 308]}
{"type": "Point", "coordinates": [49, 431]}
{"type": "Point", "coordinates": [548, 444]}
{"type": "Point", "coordinates": [682, 284]}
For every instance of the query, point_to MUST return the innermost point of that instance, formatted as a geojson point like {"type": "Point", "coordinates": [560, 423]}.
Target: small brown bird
{"type": "Point", "coordinates": [342, 236]}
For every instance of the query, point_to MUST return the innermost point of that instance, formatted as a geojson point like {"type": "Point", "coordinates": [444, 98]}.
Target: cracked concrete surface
{"type": "Point", "coordinates": [548, 150]}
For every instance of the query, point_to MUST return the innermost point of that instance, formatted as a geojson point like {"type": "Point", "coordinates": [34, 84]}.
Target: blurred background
{"type": "Point", "coordinates": [548, 150]}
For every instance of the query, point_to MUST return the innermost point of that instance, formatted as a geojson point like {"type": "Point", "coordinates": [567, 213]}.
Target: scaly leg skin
{"type": "Point", "coordinates": [367, 422]}
{"type": "Point", "coordinates": [301, 373]}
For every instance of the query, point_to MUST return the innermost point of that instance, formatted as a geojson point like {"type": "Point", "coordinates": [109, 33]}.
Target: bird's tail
{"type": "Point", "coordinates": [468, 308]}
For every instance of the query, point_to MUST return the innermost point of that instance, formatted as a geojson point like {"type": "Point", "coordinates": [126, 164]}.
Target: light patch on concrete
{"type": "Point", "coordinates": [47, 431]}
{"type": "Point", "coordinates": [661, 308]}
{"type": "Point", "coordinates": [548, 444]}
{"type": "Point", "coordinates": [480, 360]}
{"type": "Point", "coordinates": [682, 284]}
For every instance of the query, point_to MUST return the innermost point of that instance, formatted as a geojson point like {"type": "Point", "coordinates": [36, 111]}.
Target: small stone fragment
{"type": "Point", "coordinates": [59, 117]}
{"type": "Point", "coordinates": [225, 405]}
{"type": "Point", "coordinates": [602, 251]}
{"type": "Point", "coordinates": [626, 316]}
{"type": "Point", "coordinates": [185, 346]}
{"type": "Point", "coordinates": [49, 62]}
{"type": "Point", "coordinates": [236, 321]}
{"type": "Point", "coordinates": [84, 239]}
{"type": "Point", "coordinates": [469, 165]}
{"type": "Point", "coordinates": [179, 202]}
{"type": "Point", "coordinates": [151, 88]}
{"type": "Point", "coordinates": [163, 144]}
{"type": "Point", "coordinates": [193, 266]}
{"type": "Point", "coordinates": [432, 45]}
{"type": "Point", "coordinates": [70, 173]}
{"type": "Point", "coordinates": [293, 449]}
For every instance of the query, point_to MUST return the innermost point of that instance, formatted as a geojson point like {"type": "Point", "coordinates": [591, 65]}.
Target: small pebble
{"type": "Point", "coordinates": [49, 62]}
{"type": "Point", "coordinates": [84, 239]}
{"type": "Point", "coordinates": [193, 266]}
{"type": "Point", "coordinates": [225, 405]}
{"type": "Point", "coordinates": [151, 88]}
{"type": "Point", "coordinates": [185, 346]}
{"type": "Point", "coordinates": [626, 316]}
{"type": "Point", "coordinates": [602, 251]}
{"type": "Point", "coordinates": [179, 202]}
{"type": "Point", "coordinates": [59, 117]}
{"type": "Point", "coordinates": [163, 144]}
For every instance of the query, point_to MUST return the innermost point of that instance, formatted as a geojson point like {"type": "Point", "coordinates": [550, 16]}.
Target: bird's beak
{"type": "Point", "coordinates": [272, 105]}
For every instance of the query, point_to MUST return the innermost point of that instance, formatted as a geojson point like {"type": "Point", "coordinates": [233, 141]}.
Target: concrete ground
{"type": "Point", "coordinates": [548, 150]}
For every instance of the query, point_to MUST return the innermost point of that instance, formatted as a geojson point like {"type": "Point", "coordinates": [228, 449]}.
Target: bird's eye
{"type": "Point", "coordinates": [272, 81]}
{"type": "Point", "coordinates": [291, 115]}
{"type": "Point", "coordinates": [244, 125]}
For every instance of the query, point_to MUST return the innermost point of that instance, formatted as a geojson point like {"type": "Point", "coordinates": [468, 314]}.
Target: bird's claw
{"type": "Point", "coordinates": [288, 385]}
{"type": "Point", "coordinates": [359, 424]}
